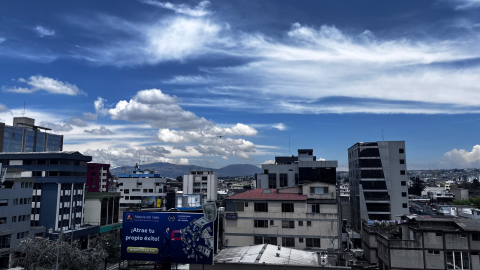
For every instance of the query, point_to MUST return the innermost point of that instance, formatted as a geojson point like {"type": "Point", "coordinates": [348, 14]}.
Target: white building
{"type": "Point", "coordinates": [139, 185]}
{"type": "Point", "coordinates": [378, 181]}
{"type": "Point", "coordinates": [292, 171]}
{"type": "Point", "coordinates": [301, 217]}
{"type": "Point", "coordinates": [203, 182]}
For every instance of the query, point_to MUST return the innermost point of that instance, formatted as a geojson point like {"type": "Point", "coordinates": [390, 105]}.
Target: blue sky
{"type": "Point", "coordinates": [213, 83]}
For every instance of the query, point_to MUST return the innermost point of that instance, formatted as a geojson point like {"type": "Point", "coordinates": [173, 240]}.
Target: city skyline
{"type": "Point", "coordinates": [213, 83]}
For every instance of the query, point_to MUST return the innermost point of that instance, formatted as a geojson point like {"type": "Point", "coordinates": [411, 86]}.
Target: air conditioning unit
{"type": "Point", "coordinates": [323, 260]}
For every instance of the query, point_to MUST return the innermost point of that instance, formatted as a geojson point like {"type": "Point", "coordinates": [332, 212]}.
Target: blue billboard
{"type": "Point", "coordinates": [168, 237]}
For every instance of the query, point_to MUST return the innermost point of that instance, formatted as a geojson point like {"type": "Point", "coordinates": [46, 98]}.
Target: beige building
{"type": "Point", "coordinates": [302, 217]}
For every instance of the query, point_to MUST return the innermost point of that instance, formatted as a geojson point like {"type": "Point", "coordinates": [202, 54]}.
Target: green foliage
{"type": "Point", "coordinates": [417, 187]}
{"type": "Point", "coordinates": [470, 201]}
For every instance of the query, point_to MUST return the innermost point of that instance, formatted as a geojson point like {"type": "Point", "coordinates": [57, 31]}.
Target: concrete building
{"type": "Point", "coordinates": [25, 136]}
{"type": "Point", "coordinates": [429, 243]}
{"type": "Point", "coordinates": [15, 208]}
{"type": "Point", "coordinates": [301, 217]}
{"type": "Point", "coordinates": [58, 191]}
{"type": "Point", "coordinates": [292, 170]}
{"type": "Point", "coordinates": [98, 177]}
{"type": "Point", "coordinates": [203, 182]}
{"type": "Point", "coordinates": [378, 181]}
{"type": "Point", "coordinates": [140, 185]}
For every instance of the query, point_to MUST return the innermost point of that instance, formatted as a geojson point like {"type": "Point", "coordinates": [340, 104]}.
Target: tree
{"type": "Point", "coordinates": [417, 187]}
{"type": "Point", "coordinates": [41, 254]}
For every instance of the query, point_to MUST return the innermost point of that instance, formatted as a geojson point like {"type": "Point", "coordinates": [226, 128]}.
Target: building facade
{"type": "Point", "coordinates": [301, 217]}
{"type": "Point", "coordinates": [24, 136]}
{"type": "Point", "coordinates": [58, 191]}
{"type": "Point", "coordinates": [292, 171]}
{"type": "Point", "coordinates": [98, 177]}
{"type": "Point", "coordinates": [140, 185]}
{"type": "Point", "coordinates": [204, 182]}
{"type": "Point", "coordinates": [15, 208]}
{"type": "Point", "coordinates": [378, 181]}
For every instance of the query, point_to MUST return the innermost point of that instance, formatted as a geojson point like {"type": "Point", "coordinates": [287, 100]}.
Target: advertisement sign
{"type": "Point", "coordinates": [150, 202]}
{"type": "Point", "coordinates": [168, 237]}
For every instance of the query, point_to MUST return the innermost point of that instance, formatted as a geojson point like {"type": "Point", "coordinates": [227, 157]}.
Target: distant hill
{"type": "Point", "coordinates": [172, 170]}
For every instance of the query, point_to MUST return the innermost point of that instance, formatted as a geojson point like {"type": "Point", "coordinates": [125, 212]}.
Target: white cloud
{"type": "Point", "coordinates": [57, 127]}
{"type": "Point", "coordinates": [50, 85]}
{"type": "Point", "coordinates": [3, 108]}
{"type": "Point", "coordinates": [197, 11]}
{"type": "Point", "coordinates": [89, 116]}
{"type": "Point", "coordinates": [156, 108]}
{"type": "Point", "coordinates": [100, 131]}
{"type": "Point", "coordinates": [460, 158]}
{"type": "Point", "coordinates": [120, 157]}
{"type": "Point", "coordinates": [42, 31]}
{"type": "Point", "coordinates": [76, 121]}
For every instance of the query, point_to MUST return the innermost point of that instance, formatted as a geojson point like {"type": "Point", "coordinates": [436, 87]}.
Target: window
{"type": "Point", "coordinates": [402, 161]}
{"type": "Point", "coordinates": [309, 223]}
{"type": "Point", "coordinates": [401, 151]}
{"type": "Point", "coordinates": [3, 202]}
{"type": "Point", "coordinates": [313, 242]}
{"type": "Point", "coordinates": [287, 207]}
{"type": "Point", "coordinates": [475, 236]}
{"type": "Point", "coordinates": [315, 208]}
{"type": "Point", "coordinates": [438, 234]}
{"type": "Point", "coordinates": [404, 183]}
{"type": "Point", "coordinates": [404, 194]}
{"type": "Point", "coordinates": [288, 242]}
{"type": "Point", "coordinates": [300, 223]}
{"type": "Point", "coordinates": [318, 190]}
{"type": "Point", "coordinates": [271, 222]}
{"type": "Point", "coordinates": [260, 223]}
{"type": "Point", "coordinates": [402, 172]}
{"type": "Point", "coordinates": [283, 180]}
{"type": "Point", "coordinates": [261, 207]}
{"type": "Point", "coordinates": [288, 224]}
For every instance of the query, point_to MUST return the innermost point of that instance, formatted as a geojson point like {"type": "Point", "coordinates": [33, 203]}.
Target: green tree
{"type": "Point", "coordinates": [417, 187]}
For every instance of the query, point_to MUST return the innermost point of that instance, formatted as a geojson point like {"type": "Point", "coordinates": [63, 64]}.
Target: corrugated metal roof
{"type": "Point", "coordinates": [258, 194]}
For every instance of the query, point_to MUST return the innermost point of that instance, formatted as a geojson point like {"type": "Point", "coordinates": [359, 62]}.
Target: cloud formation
{"type": "Point", "coordinates": [43, 31]}
{"type": "Point", "coordinates": [461, 158]}
{"type": "Point", "coordinates": [197, 11]}
{"type": "Point", "coordinates": [52, 86]}
{"type": "Point", "coordinates": [99, 131]}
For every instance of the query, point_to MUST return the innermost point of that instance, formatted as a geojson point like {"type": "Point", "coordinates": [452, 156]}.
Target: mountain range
{"type": "Point", "coordinates": [172, 170]}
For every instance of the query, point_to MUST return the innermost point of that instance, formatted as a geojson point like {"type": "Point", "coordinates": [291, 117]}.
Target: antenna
{"type": "Point", "coordinates": [383, 138]}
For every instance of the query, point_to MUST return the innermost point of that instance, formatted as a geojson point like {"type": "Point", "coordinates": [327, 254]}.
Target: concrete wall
{"type": "Point", "coordinates": [434, 261]}
{"type": "Point", "coordinates": [403, 258]}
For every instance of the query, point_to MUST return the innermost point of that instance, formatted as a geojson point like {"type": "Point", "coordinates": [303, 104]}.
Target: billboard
{"type": "Point", "coordinates": [151, 202]}
{"type": "Point", "coordinates": [168, 237]}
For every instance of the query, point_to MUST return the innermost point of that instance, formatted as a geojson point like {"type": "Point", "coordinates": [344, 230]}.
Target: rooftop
{"type": "Point", "coordinates": [267, 194]}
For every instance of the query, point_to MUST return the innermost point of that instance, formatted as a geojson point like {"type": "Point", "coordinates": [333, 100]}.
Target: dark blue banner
{"type": "Point", "coordinates": [167, 237]}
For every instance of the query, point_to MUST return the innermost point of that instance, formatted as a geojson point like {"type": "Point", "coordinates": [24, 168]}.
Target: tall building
{"type": "Point", "coordinates": [204, 182]}
{"type": "Point", "coordinates": [25, 136]}
{"type": "Point", "coordinates": [58, 191]}
{"type": "Point", "coordinates": [141, 186]}
{"type": "Point", "coordinates": [301, 217]}
{"type": "Point", "coordinates": [292, 170]}
{"type": "Point", "coordinates": [98, 177]}
{"type": "Point", "coordinates": [378, 181]}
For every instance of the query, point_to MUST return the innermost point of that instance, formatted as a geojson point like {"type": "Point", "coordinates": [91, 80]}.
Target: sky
{"type": "Point", "coordinates": [213, 83]}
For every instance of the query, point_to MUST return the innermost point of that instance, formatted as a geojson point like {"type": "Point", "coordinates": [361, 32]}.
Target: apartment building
{"type": "Point", "coordinates": [431, 242]}
{"type": "Point", "coordinates": [140, 185]}
{"type": "Point", "coordinates": [301, 217]}
{"type": "Point", "coordinates": [58, 190]}
{"type": "Point", "coordinates": [25, 136]}
{"type": "Point", "coordinates": [204, 182]}
{"type": "Point", "coordinates": [292, 171]}
{"type": "Point", "coordinates": [378, 181]}
{"type": "Point", "coordinates": [15, 208]}
{"type": "Point", "coordinates": [98, 177]}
